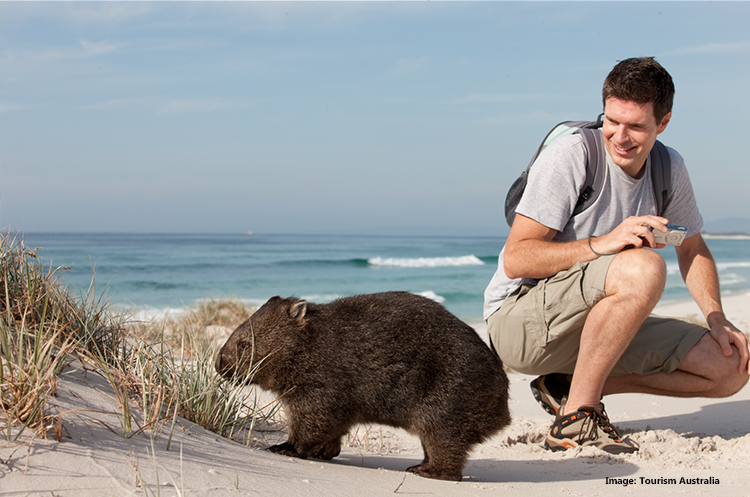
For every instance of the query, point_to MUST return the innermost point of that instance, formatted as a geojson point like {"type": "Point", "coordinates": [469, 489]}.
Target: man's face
{"type": "Point", "coordinates": [630, 131]}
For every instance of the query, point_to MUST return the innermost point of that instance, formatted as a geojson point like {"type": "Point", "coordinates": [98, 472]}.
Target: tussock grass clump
{"type": "Point", "coordinates": [171, 365]}
{"type": "Point", "coordinates": [165, 369]}
{"type": "Point", "coordinates": [31, 362]}
{"type": "Point", "coordinates": [41, 325]}
{"type": "Point", "coordinates": [198, 325]}
{"type": "Point", "coordinates": [167, 382]}
{"type": "Point", "coordinates": [32, 297]}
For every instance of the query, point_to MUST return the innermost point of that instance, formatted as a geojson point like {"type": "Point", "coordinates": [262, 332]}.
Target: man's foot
{"type": "Point", "coordinates": [549, 390]}
{"type": "Point", "coordinates": [587, 426]}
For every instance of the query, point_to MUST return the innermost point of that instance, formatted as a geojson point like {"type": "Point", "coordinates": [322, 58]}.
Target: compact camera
{"type": "Point", "coordinates": [674, 236]}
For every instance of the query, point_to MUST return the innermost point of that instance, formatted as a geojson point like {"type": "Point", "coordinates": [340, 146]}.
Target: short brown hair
{"type": "Point", "coordinates": [641, 80]}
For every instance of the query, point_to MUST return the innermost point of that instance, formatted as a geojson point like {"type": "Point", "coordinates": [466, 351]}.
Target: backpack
{"type": "Point", "coordinates": [661, 168]}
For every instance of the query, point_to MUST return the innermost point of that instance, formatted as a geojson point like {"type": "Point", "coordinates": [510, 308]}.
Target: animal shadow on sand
{"type": "Point", "coordinates": [724, 419]}
{"type": "Point", "coordinates": [502, 470]}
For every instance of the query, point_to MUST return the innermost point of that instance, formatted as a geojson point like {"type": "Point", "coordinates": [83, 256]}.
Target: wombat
{"type": "Point", "coordinates": [392, 358]}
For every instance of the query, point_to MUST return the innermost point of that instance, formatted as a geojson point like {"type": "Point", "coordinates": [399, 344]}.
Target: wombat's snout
{"type": "Point", "coordinates": [222, 367]}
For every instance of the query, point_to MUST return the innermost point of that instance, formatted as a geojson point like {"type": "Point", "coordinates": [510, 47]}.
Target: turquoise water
{"type": "Point", "coordinates": [155, 273]}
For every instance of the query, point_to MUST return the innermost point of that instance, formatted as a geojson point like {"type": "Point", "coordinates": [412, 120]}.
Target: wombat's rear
{"type": "Point", "coordinates": [391, 358]}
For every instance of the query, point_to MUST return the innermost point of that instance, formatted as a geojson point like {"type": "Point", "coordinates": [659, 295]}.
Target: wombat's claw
{"type": "Point", "coordinates": [424, 471]}
{"type": "Point", "coordinates": [329, 452]}
{"type": "Point", "coordinates": [286, 449]}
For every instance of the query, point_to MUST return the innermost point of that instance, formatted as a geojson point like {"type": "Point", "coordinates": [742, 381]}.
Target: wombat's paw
{"type": "Point", "coordinates": [329, 451]}
{"type": "Point", "coordinates": [286, 449]}
{"type": "Point", "coordinates": [425, 471]}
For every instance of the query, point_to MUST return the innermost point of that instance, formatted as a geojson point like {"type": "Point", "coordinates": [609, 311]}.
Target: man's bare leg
{"type": "Point", "coordinates": [704, 372]}
{"type": "Point", "coordinates": [635, 282]}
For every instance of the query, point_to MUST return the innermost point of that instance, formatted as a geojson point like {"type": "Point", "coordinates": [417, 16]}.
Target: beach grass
{"type": "Point", "coordinates": [41, 326]}
{"type": "Point", "coordinates": [158, 370]}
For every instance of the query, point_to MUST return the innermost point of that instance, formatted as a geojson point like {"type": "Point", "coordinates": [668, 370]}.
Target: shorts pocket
{"type": "Point", "coordinates": [564, 306]}
{"type": "Point", "coordinates": [535, 318]}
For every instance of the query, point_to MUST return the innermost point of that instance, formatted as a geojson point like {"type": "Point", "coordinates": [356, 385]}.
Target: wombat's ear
{"type": "Point", "coordinates": [298, 310]}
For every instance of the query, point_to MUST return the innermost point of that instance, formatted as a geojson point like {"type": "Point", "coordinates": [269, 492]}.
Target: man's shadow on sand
{"type": "Point", "coordinates": [728, 420]}
{"type": "Point", "coordinates": [725, 420]}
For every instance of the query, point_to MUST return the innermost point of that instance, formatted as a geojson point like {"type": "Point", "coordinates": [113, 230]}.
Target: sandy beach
{"type": "Point", "coordinates": [688, 447]}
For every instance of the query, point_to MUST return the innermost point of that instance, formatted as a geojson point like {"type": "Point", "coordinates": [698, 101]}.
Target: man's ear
{"type": "Point", "coordinates": [663, 125]}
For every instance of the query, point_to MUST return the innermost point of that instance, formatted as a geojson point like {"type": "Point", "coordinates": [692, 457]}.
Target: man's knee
{"type": "Point", "coordinates": [706, 359]}
{"type": "Point", "coordinates": [729, 379]}
{"type": "Point", "coordinates": [639, 271]}
{"type": "Point", "coordinates": [738, 383]}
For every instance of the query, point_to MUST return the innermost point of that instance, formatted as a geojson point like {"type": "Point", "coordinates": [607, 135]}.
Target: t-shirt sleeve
{"type": "Point", "coordinates": [682, 207]}
{"type": "Point", "coordinates": [554, 183]}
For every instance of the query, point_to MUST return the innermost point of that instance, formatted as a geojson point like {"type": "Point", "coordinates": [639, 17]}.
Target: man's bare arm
{"type": "Point", "coordinates": [531, 253]}
{"type": "Point", "coordinates": [699, 272]}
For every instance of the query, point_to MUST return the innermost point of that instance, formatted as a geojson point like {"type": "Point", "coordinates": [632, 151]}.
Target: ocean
{"type": "Point", "coordinates": [151, 274]}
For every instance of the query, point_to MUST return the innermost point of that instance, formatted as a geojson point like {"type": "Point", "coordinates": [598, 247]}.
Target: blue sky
{"type": "Point", "coordinates": [379, 117]}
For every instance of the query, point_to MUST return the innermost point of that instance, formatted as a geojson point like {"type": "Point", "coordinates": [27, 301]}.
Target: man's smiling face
{"type": "Point", "coordinates": [630, 130]}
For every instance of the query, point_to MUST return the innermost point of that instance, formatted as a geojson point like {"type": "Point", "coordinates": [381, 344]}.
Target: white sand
{"type": "Point", "coordinates": [680, 438]}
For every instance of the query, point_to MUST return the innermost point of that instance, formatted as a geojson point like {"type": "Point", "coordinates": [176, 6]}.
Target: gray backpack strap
{"type": "Point", "coordinates": [661, 176]}
{"type": "Point", "coordinates": [595, 158]}
{"type": "Point", "coordinates": [661, 168]}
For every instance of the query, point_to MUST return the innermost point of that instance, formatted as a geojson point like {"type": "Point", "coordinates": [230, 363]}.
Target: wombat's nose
{"type": "Point", "coordinates": [223, 367]}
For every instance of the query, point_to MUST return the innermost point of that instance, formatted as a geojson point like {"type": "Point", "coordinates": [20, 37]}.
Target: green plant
{"type": "Point", "coordinates": [34, 296]}
{"type": "Point", "coordinates": [170, 383]}
{"type": "Point", "coordinates": [34, 344]}
{"type": "Point", "coordinates": [165, 367]}
{"type": "Point", "coordinates": [31, 361]}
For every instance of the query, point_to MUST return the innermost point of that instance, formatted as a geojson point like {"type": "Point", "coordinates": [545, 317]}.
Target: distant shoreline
{"type": "Point", "coordinates": [727, 236]}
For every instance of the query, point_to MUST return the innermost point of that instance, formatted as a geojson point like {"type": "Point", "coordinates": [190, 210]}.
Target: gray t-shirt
{"type": "Point", "coordinates": [553, 188]}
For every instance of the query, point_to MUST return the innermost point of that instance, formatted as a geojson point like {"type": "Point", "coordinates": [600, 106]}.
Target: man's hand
{"type": "Point", "coordinates": [632, 232]}
{"type": "Point", "coordinates": [728, 336]}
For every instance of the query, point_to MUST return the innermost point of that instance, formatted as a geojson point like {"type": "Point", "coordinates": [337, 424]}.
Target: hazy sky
{"type": "Point", "coordinates": [337, 117]}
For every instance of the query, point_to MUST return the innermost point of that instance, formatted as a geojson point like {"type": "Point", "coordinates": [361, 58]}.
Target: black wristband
{"type": "Point", "coordinates": [600, 254]}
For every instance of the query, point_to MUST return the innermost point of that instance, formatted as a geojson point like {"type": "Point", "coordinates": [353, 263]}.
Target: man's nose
{"type": "Point", "coordinates": [621, 134]}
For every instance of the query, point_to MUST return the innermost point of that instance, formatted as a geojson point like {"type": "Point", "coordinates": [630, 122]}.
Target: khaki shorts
{"type": "Point", "coordinates": [538, 328]}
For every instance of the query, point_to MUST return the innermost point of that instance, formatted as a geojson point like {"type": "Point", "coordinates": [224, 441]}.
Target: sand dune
{"type": "Point", "coordinates": [688, 447]}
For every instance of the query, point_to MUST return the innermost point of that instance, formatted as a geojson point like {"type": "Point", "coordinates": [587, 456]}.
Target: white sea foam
{"type": "Point", "coordinates": [148, 314]}
{"type": "Point", "coordinates": [674, 269]}
{"type": "Point", "coordinates": [321, 298]}
{"type": "Point", "coordinates": [433, 296]}
{"type": "Point", "coordinates": [722, 266]}
{"type": "Point", "coordinates": [732, 279]}
{"type": "Point", "coordinates": [417, 262]}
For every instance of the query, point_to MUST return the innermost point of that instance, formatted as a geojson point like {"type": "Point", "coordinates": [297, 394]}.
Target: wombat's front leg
{"type": "Point", "coordinates": [425, 464]}
{"type": "Point", "coordinates": [441, 461]}
{"type": "Point", "coordinates": [314, 431]}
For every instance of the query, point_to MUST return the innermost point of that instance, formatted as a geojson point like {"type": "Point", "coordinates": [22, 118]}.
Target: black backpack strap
{"type": "Point", "coordinates": [661, 176]}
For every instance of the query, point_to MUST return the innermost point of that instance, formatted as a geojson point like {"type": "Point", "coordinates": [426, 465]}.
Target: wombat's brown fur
{"type": "Point", "coordinates": [392, 358]}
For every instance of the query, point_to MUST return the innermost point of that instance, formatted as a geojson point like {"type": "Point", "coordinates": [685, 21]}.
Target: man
{"type": "Point", "coordinates": [572, 296]}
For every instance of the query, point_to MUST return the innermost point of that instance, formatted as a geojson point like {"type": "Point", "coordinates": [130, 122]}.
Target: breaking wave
{"type": "Point", "coordinates": [418, 262]}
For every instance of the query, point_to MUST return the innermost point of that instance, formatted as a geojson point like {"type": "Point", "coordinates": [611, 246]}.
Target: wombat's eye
{"type": "Point", "coordinates": [243, 345]}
